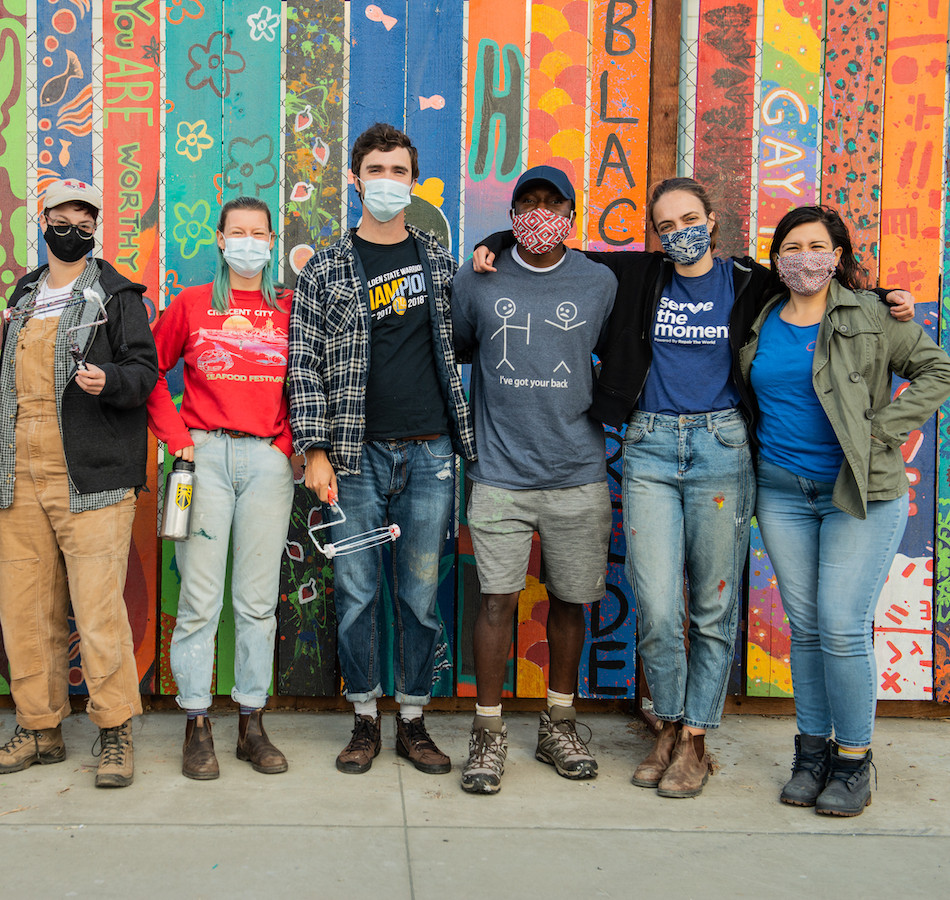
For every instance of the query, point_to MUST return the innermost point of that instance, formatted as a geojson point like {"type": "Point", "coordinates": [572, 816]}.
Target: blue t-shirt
{"type": "Point", "coordinates": [793, 430]}
{"type": "Point", "coordinates": [692, 360]}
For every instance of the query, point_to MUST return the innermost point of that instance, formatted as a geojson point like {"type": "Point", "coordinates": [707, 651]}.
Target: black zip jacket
{"type": "Point", "coordinates": [105, 437]}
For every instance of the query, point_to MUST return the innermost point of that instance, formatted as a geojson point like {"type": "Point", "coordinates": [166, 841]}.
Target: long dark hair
{"type": "Point", "coordinates": [850, 273]}
{"type": "Point", "coordinates": [691, 186]}
{"type": "Point", "coordinates": [221, 286]}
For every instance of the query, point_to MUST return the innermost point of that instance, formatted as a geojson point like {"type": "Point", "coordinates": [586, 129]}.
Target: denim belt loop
{"type": "Point", "coordinates": [651, 422]}
{"type": "Point", "coordinates": [709, 422]}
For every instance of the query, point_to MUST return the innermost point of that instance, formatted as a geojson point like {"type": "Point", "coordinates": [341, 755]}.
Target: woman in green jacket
{"type": "Point", "coordinates": [832, 492]}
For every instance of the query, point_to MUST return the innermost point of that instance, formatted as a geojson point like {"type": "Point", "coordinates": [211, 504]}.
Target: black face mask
{"type": "Point", "coordinates": [70, 247]}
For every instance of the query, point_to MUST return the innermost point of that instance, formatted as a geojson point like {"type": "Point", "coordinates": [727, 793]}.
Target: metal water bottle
{"type": "Point", "coordinates": [179, 492]}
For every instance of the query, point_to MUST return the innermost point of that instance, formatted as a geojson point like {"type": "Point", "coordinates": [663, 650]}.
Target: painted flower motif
{"type": "Point", "coordinates": [172, 286]}
{"type": "Point", "coordinates": [265, 23]}
{"type": "Point", "coordinates": [250, 168]}
{"type": "Point", "coordinates": [193, 139]}
{"type": "Point", "coordinates": [213, 64]}
{"type": "Point", "coordinates": [176, 11]}
{"type": "Point", "coordinates": [192, 231]}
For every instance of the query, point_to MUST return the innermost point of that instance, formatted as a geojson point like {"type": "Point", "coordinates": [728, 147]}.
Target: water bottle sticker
{"type": "Point", "coordinates": [183, 496]}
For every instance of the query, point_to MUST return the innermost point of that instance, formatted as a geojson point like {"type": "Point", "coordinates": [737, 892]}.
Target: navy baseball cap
{"type": "Point", "coordinates": [544, 175]}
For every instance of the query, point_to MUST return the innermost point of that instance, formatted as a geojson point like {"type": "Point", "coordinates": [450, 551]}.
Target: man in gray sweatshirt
{"type": "Point", "coordinates": [530, 329]}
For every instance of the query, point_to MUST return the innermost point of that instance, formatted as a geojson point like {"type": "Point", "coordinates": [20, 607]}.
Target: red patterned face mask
{"type": "Point", "coordinates": [540, 230]}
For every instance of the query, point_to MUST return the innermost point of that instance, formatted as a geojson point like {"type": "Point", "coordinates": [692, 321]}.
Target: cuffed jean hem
{"type": "Point", "coordinates": [363, 697]}
{"type": "Point", "coordinates": [254, 702]}
{"type": "Point", "coordinates": [706, 726]}
{"type": "Point", "coordinates": [412, 700]}
{"type": "Point", "coordinates": [194, 703]}
{"type": "Point", "coordinates": [692, 723]}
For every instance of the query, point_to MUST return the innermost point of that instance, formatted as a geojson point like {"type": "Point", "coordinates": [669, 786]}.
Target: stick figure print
{"type": "Point", "coordinates": [505, 308]}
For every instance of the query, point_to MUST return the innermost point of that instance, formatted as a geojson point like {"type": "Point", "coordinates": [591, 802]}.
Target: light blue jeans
{"type": "Point", "coordinates": [830, 569]}
{"type": "Point", "coordinates": [244, 488]}
{"type": "Point", "coordinates": [688, 494]}
{"type": "Point", "coordinates": [411, 484]}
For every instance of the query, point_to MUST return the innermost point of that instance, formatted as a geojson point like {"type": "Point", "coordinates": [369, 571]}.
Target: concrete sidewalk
{"type": "Point", "coordinates": [395, 833]}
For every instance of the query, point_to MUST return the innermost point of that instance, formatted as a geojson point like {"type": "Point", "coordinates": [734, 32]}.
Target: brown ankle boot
{"type": "Point", "coordinates": [254, 745]}
{"type": "Point", "coordinates": [688, 770]}
{"type": "Point", "coordinates": [650, 771]}
{"type": "Point", "coordinates": [197, 755]}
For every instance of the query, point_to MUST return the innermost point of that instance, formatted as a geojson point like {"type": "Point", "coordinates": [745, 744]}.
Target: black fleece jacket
{"type": "Point", "coordinates": [105, 437]}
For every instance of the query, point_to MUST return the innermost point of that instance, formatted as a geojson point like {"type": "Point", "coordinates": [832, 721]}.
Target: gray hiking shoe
{"type": "Point", "coordinates": [560, 746]}
{"type": "Point", "coordinates": [487, 751]}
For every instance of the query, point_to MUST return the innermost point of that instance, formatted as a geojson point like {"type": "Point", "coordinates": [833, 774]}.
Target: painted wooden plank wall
{"type": "Point", "coordinates": [911, 252]}
{"type": "Point", "coordinates": [563, 81]}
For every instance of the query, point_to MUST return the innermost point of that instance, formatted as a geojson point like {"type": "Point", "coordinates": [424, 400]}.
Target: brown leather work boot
{"type": "Point", "coordinates": [255, 747]}
{"type": "Point", "coordinates": [413, 743]}
{"type": "Point", "coordinates": [197, 755]}
{"type": "Point", "coordinates": [688, 770]}
{"type": "Point", "coordinates": [27, 746]}
{"type": "Point", "coordinates": [650, 771]}
{"type": "Point", "coordinates": [116, 759]}
{"type": "Point", "coordinates": [358, 755]}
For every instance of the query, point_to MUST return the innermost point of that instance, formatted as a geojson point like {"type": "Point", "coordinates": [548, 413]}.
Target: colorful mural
{"type": "Point", "coordinates": [177, 106]}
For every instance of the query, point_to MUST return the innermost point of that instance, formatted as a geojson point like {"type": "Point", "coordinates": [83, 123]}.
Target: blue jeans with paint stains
{"type": "Point", "coordinates": [688, 494]}
{"type": "Point", "coordinates": [410, 484]}
{"type": "Point", "coordinates": [830, 569]}
{"type": "Point", "coordinates": [244, 488]}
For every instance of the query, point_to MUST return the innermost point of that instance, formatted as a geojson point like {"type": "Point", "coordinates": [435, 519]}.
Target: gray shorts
{"type": "Point", "coordinates": [574, 526]}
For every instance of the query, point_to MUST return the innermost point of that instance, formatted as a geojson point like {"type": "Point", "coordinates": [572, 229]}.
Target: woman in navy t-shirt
{"type": "Point", "coordinates": [832, 490]}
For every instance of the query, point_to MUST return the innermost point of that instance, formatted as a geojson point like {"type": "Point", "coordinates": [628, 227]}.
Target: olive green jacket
{"type": "Point", "coordinates": [859, 345]}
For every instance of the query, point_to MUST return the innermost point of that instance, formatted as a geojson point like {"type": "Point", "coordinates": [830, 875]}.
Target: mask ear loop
{"type": "Point", "coordinates": [363, 541]}
{"type": "Point", "coordinates": [74, 349]}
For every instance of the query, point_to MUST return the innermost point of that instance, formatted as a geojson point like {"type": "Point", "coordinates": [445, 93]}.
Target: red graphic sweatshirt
{"type": "Point", "coordinates": [235, 367]}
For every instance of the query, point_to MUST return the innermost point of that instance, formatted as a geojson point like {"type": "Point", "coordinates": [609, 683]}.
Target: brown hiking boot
{"type": "Point", "coordinates": [115, 756]}
{"type": "Point", "coordinates": [650, 771]}
{"type": "Point", "coordinates": [413, 743]}
{"type": "Point", "coordinates": [27, 746]}
{"type": "Point", "coordinates": [358, 755]}
{"type": "Point", "coordinates": [197, 755]}
{"type": "Point", "coordinates": [688, 770]}
{"type": "Point", "coordinates": [255, 747]}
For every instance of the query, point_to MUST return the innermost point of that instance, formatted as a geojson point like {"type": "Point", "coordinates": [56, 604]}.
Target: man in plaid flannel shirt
{"type": "Point", "coordinates": [377, 406]}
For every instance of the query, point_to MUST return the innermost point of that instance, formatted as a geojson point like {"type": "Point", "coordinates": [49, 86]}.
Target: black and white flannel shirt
{"type": "Point", "coordinates": [329, 351]}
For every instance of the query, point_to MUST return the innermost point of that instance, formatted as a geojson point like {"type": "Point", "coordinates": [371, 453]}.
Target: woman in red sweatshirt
{"type": "Point", "coordinates": [234, 424]}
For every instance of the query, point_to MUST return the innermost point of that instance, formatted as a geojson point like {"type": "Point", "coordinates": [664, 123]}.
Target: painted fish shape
{"type": "Point", "coordinates": [375, 14]}
{"type": "Point", "coordinates": [54, 89]}
{"type": "Point", "coordinates": [436, 101]}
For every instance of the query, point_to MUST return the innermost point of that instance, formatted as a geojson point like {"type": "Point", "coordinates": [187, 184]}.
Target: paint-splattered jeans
{"type": "Point", "coordinates": [830, 569]}
{"type": "Point", "coordinates": [244, 489]}
{"type": "Point", "coordinates": [688, 494]}
{"type": "Point", "coordinates": [411, 484]}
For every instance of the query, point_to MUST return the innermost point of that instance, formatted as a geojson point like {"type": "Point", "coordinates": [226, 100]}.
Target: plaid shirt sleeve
{"type": "Point", "coordinates": [329, 355]}
{"type": "Point", "coordinates": [308, 403]}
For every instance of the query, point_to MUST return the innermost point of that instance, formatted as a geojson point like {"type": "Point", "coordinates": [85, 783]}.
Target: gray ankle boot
{"type": "Point", "coordinates": [809, 771]}
{"type": "Point", "coordinates": [849, 786]}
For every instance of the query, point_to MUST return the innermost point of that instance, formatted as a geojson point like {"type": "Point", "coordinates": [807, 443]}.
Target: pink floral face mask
{"type": "Point", "coordinates": [540, 230]}
{"type": "Point", "coordinates": [806, 273]}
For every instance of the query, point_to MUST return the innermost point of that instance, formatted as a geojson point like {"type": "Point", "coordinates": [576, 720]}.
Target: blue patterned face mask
{"type": "Point", "coordinates": [687, 246]}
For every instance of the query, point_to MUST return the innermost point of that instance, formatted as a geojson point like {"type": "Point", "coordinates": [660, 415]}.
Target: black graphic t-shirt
{"type": "Point", "coordinates": [403, 397]}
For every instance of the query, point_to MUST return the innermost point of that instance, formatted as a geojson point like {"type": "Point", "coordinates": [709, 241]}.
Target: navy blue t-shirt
{"type": "Point", "coordinates": [692, 360]}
